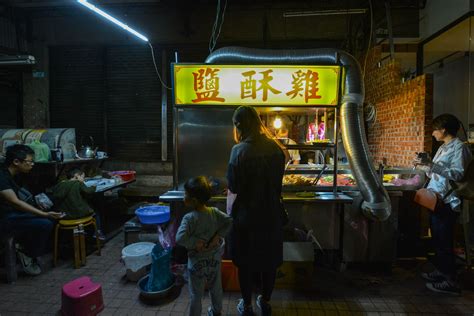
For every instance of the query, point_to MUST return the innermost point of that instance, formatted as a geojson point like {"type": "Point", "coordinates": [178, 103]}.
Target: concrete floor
{"type": "Point", "coordinates": [333, 293]}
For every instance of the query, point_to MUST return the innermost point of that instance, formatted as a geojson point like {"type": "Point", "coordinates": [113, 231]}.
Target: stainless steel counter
{"type": "Point", "coordinates": [313, 197]}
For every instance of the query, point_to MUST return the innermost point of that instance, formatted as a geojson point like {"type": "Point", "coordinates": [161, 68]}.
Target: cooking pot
{"type": "Point", "coordinates": [87, 151]}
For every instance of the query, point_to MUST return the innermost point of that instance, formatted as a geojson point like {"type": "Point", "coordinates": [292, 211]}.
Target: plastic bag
{"type": "Point", "coordinates": [160, 277]}
{"type": "Point", "coordinates": [43, 201]}
{"type": "Point", "coordinates": [26, 196]}
{"type": "Point", "coordinates": [42, 152]}
{"type": "Point", "coordinates": [164, 238]}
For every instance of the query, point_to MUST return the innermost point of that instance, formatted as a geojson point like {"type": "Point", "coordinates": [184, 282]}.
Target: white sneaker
{"type": "Point", "coordinates": [444, 287]}
{"type": "Point", "coordinates": [433, 276]}
{"type": "Point", "coordinates": [29, 265]}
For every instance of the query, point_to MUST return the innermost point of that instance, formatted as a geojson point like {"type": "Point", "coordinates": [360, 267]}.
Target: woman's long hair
{"type": "Point", "coordinates": [248, 123]}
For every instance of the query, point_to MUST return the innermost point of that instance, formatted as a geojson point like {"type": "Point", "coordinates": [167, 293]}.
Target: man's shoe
{"type": "Point", "coordinates": [444, 287]}
{"type": "Point", "coordinates": [210, 312]}
{"type": "Point", "coordinates": [244, 310]}
{"type": "Point", "coordinates": [29, 265]}
{"type": "Point", "coordinates": [264, 306]}
{"type": "Point", "coordinates": [434, 276]}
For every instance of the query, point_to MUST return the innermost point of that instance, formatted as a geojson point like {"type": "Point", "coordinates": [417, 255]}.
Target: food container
{"type": "Point", "coordinates": [153, 214]}
{"type": "Point", "coordinates": [153, 295]}
{"type": "Point", "coordinates": [126, 175]}
{"type": "Point", "coordinates": [137, 259]}
{"type": "Point", "coordinates": [230, 276]}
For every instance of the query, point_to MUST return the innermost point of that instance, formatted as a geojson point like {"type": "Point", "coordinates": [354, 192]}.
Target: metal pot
{"type": "Point", "coordinates": [87, 151]}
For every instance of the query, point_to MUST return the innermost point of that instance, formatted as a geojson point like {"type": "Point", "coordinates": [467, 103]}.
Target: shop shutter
{"type": "Point", "coordinates": [114, 95]}
{"type": "Point", "coordinates": [77, 91]}
{"type": "Point", "coordinates": [133, 103]}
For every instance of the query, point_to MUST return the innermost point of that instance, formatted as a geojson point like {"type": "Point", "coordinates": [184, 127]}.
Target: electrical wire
{"type": "Point", "coordinates": [214, 26]}
{"type": "Point", "coordinates": [370, 114]}
{"type": "Point", "coordinates": [469, 98]}
{"type": "Point", "coordinates": [217, 27]}
{"type": "Point", "coordinates": [156, 68]}
{"type": "Point", "coordinates": [370, 37]}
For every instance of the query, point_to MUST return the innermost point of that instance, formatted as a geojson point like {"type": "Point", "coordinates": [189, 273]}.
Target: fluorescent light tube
{"type": "Point", "coordinates": [17, 60]}
{"type": "Point", "coordinates": [112, 19]}
{"type": "Point", "coordinates": [323, 12]}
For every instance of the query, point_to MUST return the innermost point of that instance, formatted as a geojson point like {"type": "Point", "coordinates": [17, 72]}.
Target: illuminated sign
{"type": "Point", "coordinates": [257, 85]}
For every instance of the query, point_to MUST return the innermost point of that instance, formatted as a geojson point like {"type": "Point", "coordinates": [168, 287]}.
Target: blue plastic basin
{"type": "Point", "coordinates": [153, 214]}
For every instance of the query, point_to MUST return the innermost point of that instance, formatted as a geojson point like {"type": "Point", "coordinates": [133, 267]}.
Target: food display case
{"type": "Point", "coordinates": [319, 177]}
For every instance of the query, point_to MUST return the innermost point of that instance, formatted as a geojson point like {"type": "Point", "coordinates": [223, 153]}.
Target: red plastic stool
{"type": "Point", "coordinates": [81, 297]}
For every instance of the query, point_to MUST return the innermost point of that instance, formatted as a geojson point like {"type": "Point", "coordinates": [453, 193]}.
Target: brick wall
{"type": "Point", "coordinates": [404, 112]}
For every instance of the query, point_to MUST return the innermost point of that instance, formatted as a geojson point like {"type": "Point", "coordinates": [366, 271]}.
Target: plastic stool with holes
{"type": "Point", "coordinates": [81, 297]}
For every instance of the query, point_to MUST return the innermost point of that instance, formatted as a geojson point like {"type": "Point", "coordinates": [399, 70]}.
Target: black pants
{"type": "Point", "coordinates": [262, 281]}
{"type": "Point", "coordinates": [32, 232]}
{"type": "Point", "coordinates": [442, 231]}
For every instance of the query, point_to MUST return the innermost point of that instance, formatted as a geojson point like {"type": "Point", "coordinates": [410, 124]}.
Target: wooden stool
{"type": "Point", "coordinates": [77, 225]}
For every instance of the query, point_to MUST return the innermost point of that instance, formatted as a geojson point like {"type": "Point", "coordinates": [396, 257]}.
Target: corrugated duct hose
{"type": "Point", "coordinates": [376, 204]}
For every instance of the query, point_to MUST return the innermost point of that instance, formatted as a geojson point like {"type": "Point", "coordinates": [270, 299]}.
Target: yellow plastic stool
{"type": "Point", "coordinates": [74, 224]}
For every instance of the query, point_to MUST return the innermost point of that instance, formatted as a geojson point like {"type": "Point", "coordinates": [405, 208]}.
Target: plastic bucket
{"type": "Point", "coordinates": [153, 214]}
{"type": "Point", "coordinates": [137, 259]}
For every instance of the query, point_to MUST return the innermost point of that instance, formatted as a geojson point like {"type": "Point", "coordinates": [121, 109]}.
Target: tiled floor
{"type": "Point", "coordinates": [334, 293]}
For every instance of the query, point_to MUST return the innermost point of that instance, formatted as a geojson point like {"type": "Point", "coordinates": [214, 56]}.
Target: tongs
{"type": "Point", "coordinates": [316, 180]}
{"type": "Point", "coordinates": [288, 163]}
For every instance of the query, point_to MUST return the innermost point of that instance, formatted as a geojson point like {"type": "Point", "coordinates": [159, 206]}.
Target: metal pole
{"type": "Point", "coordinates": [335, 158]}
{"type": "Point", "coordinates": [164, 109]}
{"type": "Point", "coordinates": [389, 27]}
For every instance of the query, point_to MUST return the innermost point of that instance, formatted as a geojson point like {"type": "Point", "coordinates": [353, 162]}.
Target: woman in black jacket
{"type": "Point", "coordinates": [254, 174]}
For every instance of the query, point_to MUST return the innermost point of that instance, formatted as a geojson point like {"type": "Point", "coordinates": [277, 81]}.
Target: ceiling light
{"type": "Point", "coordinates": [112, 19]}
{"type": "Point", "coordinates": [277, 123]}
{"type": "Point", "coordinates": [323, 12]}
{"type": "Point", "coordinates": [17, 60]}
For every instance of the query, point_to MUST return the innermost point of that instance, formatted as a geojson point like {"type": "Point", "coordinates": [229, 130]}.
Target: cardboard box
{"type": "Point", "coordinates": [298, 251]}
{"type": "Point", "coordinates": [298, 266]}
{"type": "Point", "coordinates": [295, 275]}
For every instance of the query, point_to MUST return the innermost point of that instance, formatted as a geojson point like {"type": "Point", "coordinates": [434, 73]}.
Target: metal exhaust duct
{"type": "Point", "coordinates": [376, 204]}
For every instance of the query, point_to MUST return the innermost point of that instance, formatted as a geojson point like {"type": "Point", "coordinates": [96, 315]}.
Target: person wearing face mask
{"type": "Point", "coordinates": [449, 163]}
{"type": "Point", "coordinates": [254, 176]}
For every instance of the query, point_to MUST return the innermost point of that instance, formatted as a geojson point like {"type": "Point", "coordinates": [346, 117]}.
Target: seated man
{"type": "Point", "coordinates": [31, 226]}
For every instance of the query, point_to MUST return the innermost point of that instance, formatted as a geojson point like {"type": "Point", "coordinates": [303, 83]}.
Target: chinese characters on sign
{"type": "Point", "coordinates": [310, 82]}
{"type": "Point", "coordinates": [248, 86]}
{"type": "Point", "coordinates": [257, 85]}
{"type": "Point", "coordinates": [206, 85]}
